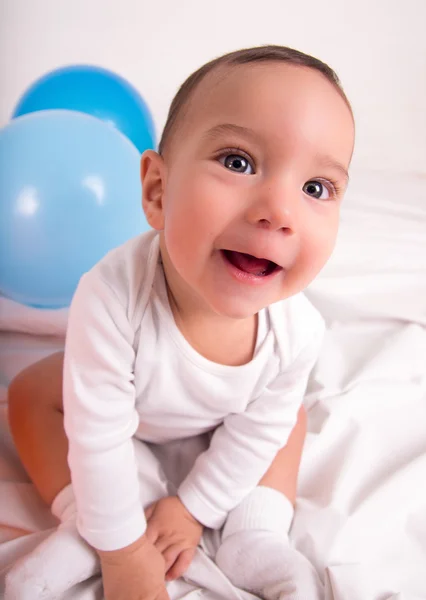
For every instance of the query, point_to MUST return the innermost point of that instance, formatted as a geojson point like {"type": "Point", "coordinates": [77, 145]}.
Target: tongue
{"type": "Point", "coordinates": [249, 264]}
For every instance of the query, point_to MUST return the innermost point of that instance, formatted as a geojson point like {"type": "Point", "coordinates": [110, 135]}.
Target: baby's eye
{"type": "Point", "coordinates": [236, 163]}
{"type": "Point", "coordinates": [316, 189]}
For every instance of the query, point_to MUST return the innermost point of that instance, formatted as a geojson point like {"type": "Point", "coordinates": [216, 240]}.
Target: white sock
{"type": "Point", "coordinates": [256, 555]}
{"type": "Point", "coordinates": [59, 562]}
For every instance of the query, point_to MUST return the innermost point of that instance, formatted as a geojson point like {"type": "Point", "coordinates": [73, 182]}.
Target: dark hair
{"type": "Point", "coordinates": [242, 57]}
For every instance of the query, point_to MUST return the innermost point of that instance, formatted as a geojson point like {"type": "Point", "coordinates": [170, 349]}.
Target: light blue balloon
{"type": "Point", "coordinates": [94, 91]}
{"type": "Point", "coordinates": [69, 192]}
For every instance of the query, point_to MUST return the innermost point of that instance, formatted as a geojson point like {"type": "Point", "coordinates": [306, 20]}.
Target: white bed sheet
{"type": "Point", "coordinates": [361, 511]}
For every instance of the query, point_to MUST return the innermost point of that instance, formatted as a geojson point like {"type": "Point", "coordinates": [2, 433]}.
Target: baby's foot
{"type": "Point", "coordinates": [263, 562]}
{"type": "Point", "coordinates": [62, 560]}
{"type": "Point", "coordinates": [59, 562]}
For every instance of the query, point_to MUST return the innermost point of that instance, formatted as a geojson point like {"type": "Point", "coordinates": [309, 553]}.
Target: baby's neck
{"type": "Point", "coordinates": [220, 339]}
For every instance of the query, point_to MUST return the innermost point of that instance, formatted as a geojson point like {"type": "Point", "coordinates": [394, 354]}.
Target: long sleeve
{"type": "Point", "coordinates": [244, 446]}
{"type": "Point", "coordinates": [100, 417]}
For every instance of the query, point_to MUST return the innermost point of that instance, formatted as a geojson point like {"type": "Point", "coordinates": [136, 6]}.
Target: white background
{"type": "Point", "coordinates": [378, 48]}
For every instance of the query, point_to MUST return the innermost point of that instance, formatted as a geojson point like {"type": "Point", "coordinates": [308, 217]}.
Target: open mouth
{"type": "Point", "coordinates": [259, 267]}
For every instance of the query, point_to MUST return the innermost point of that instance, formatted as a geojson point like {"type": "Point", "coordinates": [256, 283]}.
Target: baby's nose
{"type": "Point", "coordinates": [274, 210]}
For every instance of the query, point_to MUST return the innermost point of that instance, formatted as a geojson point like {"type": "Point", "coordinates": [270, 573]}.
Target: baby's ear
{"type": "Point", "coordinates": [152, 178]}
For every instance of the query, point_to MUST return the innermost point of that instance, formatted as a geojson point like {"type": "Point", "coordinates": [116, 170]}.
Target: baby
{"type": "Point", "coordinates": [196, 330]}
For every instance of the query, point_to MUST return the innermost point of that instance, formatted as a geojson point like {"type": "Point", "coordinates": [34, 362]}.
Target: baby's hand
{"type": "Point", "coordinates": [174, 532]}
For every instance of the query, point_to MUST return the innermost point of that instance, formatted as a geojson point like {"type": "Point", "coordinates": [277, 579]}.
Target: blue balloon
{"type": "Point", "coordinates": [94, 91]}
{"type": "Point", "coordinates": [69, 192]}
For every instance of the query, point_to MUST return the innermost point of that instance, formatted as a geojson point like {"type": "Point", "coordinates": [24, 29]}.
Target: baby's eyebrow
{"type": "Point", "coordinates": [226, 128]}
{"type": "Point", "coordinates": [329, 161]}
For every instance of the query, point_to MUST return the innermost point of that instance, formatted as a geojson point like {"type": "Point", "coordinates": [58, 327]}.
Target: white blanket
{"type": "Point", "coordinates": [361, 511]}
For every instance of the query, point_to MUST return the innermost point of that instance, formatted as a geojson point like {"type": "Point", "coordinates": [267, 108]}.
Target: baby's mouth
{"type": "Point", "coordinates": [260, 267]}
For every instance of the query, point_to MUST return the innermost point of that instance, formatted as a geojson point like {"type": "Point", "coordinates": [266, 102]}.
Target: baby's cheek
{"type": "Point", "coordinates": [179, 245]}
{"type": "Point", "coordinates": [313, 257]}
{"type": "Point", "coordinates": [321, 239]}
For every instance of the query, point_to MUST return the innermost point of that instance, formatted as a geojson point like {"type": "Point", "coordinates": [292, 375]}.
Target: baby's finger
{"type": "Point", "coordinates": [149, 510]}
{"type": "Point", "coordinates": [163, 542]}
{"type": "Point", "coordinates": [170, 555]}
{"type": "Point", "coordinates": [151, 532]}
{"type": "Point", "coordinates": [181, 565]}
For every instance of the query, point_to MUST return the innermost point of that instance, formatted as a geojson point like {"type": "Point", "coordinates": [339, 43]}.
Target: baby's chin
{"type": "Point", "coordinates": [237, 308]}
{"type": "Point", "coordinates": [236, 315]}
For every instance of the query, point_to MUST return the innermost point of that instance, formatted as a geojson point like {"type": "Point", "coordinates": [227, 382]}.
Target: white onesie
{"type": "Point", "coordinates": [130, 372]}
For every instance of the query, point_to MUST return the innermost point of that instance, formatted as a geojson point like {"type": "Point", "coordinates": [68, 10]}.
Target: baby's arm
{"type": "Point", "coordinates": [100, 419]}
{"type": "Point", "coordinates": [134, 573]}
{"type": "Point", "coordinates": [244, 446]}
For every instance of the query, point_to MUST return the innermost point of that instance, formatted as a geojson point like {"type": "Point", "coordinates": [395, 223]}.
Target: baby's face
{"type": "Point", "coordinates": [253, 185]}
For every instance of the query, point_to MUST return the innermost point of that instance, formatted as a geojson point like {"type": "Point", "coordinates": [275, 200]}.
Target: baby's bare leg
{"type": "Point", "coordinates": [283, 473]}
{"type": "Point", "coordinates": [36, 422]}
